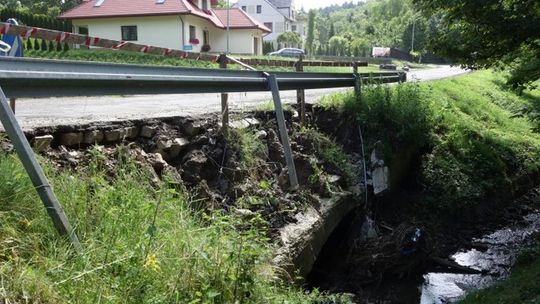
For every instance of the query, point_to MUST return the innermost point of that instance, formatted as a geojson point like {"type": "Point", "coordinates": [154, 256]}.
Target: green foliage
{"type": "Point", "coordinates": [479, 138]}
{"type": "Point", "coordinates": [46, 19]}
{"type": "Point", "coordinates": [268, 47]}
{"type": "Point", "coordinates": [142, 243]}
{"type": "Point", "coordinates": [310, 39]}
{"type": "Point", "coordinates": [252, 149]}
{"type": "Point", "coordinates": [289, 39]}
{"type": "Point", "coordinates": [339, 46]}
{"type": "Point", "coordinates": [43, 45]}
{"type": "Point", "coordinates": [480, 36]}
{"type": "Point", "coordinates": [386, 23]}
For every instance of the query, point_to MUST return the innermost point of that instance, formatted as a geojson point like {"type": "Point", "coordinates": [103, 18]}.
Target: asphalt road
{"type": "Point", "coordinates": [41, 112]}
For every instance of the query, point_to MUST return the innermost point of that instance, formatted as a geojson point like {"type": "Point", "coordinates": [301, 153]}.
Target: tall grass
{"type": "Point", "coordinates": [477, 137]}
{"type": "Point", "coordinates": [142, 243]}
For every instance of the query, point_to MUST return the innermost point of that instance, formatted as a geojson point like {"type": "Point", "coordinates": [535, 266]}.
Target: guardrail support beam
{"type": "Point", "coordinates": [35, 172]}
{"type": "Point", "coordinates": [280, 116]}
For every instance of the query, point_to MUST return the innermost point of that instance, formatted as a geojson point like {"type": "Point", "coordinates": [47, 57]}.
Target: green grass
{"type": "Point", "coordinates": [143, 243]}
{"type": "Point", "coordinates": [480, 136]}
{"type": "Point", "coordinates": [521, 287]}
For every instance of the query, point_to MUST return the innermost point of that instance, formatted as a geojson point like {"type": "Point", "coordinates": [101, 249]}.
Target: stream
{"type": "Point", "coordinates": [498, 253]}
{"type": "Point", "coordinates": [492, 255]}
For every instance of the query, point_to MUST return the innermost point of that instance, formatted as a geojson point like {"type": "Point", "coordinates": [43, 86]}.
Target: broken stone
{"type": "Point", "coordinates": [114, 135]}
{"type": "Point", "coordinates": [283, 179]}
{"type": "Point", "coordinates": [380, 180]}
{"type": "Point", "coordinates": [333, 179]}
{"type": "Point", "coordinates": [245, 213]}
{"type": "Point", "coordinates": [148, 132]}
{"type": "Point", "coordinates": [93, 137]}
{"type": "Point", "coordinates": [192, 128]}
{"type": "Point", "coordinates": [42, 143]}
{"type": "Point", "coordinates": [197, 167]}
{"type": "Point", "coordinates": [261, 134]}
{"type": "Point", "coordinates": [71, 139]}
{"type": "Point", "coordinates": [178, 145]}
{"type": "Point", "coordinates": [7, 147]}
{"type": "Point", "coordinates": [244, 123]}
{"type": "Point", "coordinates": [163, 144]}
{"type": "Point", "coordinates": [156, 161]}
{"type": "Point", "coordinates": [131, 132]}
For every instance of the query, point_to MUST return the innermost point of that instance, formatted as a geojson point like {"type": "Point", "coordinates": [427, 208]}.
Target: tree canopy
{"type": "Point", "coordinates": [488, 33]}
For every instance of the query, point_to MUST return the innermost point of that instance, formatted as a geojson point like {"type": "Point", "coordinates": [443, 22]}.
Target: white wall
{"type": "Point", "coordinates": [161, 31]}
{"type": "Point", "coordinates": [166, 31]}
{"type": "Point", "coordinates": [240, 41]}
{"type": "Point", "coordinates": [268, 14]}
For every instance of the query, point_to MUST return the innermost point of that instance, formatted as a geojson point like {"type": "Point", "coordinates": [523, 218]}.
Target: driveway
{"type": "Point", "coordinates": [33, 113]}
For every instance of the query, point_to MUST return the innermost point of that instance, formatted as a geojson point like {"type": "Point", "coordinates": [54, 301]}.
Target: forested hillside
{"type": "Point", "coordinates": [352, 29]}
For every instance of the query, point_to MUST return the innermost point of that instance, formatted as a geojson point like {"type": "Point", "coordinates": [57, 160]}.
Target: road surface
{"type": "Point", "coordinates": [33, 113]}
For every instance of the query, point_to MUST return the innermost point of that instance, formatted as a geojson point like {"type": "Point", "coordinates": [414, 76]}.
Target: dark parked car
{"type": "Point", "coordinates": [288, 52]}
{"type": "Point", "coordinates": [388, 66]}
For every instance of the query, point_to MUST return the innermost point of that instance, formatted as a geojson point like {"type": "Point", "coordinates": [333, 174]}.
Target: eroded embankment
{"type": "Point", "coordinates": [243, 172]}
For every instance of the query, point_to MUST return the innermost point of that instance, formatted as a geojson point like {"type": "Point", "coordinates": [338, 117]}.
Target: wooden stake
{"type": "Point", "coordinates": [301, 94]}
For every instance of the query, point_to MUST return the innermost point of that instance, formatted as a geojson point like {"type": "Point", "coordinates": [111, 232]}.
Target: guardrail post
{"type": "Point", "coordinates": [402, 77]}
{"type": "Point", "coordinates": [280, 116]}
{"type": "Point", "coordinates": [224, 97]}
{"type": "Point", "coordinates": [301, 94]}
{"type": "Point", "coordinates": [12, 104]}
{"type": "Point", "coordinates": [357, 80]}
{"type": "Point", "coordinates": [34, 170]}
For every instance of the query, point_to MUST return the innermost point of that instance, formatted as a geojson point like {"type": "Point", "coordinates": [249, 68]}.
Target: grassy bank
{"type": "Point", "coordinates": [521, 287]}
{"type": "Point", "coordinates": [143, 243]}
{"type": "Point", "coordinates": [477, 138]}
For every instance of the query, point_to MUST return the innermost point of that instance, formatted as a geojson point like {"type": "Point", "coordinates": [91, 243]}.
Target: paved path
{"type": "Point", "coordinates": [79, 110]}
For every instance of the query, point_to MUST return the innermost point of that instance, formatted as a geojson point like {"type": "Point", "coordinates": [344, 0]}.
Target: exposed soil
{"type": "Point", "coordinates": [195, 154]}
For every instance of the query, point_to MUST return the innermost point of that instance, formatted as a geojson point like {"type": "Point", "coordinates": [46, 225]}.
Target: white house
{"type": "Point", "coordinates": [277, 15]}
{"type": "Point", "coordinates": [191, 25]}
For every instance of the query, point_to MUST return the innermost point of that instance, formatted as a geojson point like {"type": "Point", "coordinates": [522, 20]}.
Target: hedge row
{"type": "Point", "coordinates": [35, 20]}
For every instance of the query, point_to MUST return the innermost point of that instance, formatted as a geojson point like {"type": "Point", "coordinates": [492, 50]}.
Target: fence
{"type": "Point", "coordinates": [21, 77]}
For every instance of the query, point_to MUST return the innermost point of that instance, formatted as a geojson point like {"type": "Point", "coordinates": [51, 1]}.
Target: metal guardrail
{"type": "Point", "coordinates": [23, 77]}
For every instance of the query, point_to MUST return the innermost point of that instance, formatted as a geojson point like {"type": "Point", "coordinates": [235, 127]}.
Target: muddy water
{"type": "Point", "coordinates": [499, 252]}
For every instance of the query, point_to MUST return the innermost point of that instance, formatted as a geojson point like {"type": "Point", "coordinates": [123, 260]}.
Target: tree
{"type": "Point", "coordinates": [338, 45]}
{"type": "Point", "coordinates": [359, 46]}
{"type": "Point", "coordinates": [310, 39]}
{"type": "Point", "coordinates": [484, 34]}
{"type": "Point", "coordinates": [289, 39]}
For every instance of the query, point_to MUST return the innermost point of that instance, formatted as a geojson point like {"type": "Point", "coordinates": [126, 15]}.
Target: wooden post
{"type": "Point", "coordinates": [357, 80]}
{"type": "Point", "coordinates": [224, 97]}
{"type": "Point", "coordinates": [12, 104]}
{"type": "Point", "coordinates": [301, 94]}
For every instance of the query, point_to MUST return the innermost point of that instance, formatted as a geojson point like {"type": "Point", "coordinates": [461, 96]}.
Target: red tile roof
{"type": "Point", "coordinates": [239, 19]}
{"type": "Point", "coordinates": [131, 8]}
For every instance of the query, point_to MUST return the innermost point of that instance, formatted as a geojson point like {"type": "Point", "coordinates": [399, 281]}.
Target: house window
{"type": "Point", "coordinates": [205, 5]}
{"type": "Point", "coordinates": [129, 33]}
{"type": "Point", "coordinates": [294, 28]}
{"type": "Point", "coordinates": [192, 33]}
{"type": "Point", "coordinates": [244, 8]}
{"type": "Point", "coordinates": [259, 9]}
{"type": "Point", "coordinates": [83, 30]}
{"type": "Point", "coordinates": [269, 25]}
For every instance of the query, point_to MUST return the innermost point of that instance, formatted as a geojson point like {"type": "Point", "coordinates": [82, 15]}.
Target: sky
{"type": "Point", "coordinates": [309, 4]}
